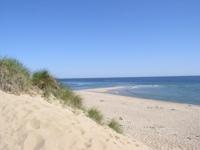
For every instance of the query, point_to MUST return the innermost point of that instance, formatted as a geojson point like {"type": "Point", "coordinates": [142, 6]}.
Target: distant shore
{"type": "Point", "coordinates": [159, 124]}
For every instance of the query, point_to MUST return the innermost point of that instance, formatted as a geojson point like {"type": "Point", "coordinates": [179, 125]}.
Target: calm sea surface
{"type": "Point", "coordinates": [174, 89]}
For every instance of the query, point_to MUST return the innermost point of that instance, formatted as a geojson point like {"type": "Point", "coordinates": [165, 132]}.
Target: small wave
{"type": "Point", "coordinates": [145, 86]}
{"type": "Point", "coordinates": [78, 83]}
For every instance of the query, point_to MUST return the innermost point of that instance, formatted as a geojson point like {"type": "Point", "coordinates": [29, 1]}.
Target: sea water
{"type": "Point", "coordinates": [174, 89]}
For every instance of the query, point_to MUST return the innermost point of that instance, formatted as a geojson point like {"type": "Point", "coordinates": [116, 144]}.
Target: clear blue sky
{"type": "Point", "coordinates": [103, 38]}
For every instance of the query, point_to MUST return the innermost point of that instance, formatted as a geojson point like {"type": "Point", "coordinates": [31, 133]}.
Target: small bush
{"type": "Point", "coordinates": [14, 77]}
{"type": "Point", "coordinates": [96, 115]}
{"type": "Point", "coordinates": [64, 94]}
{"type": "Point", "coordinates": [76, 101]}
{"type": "Point", "coordinates": [68, 97]}
{"type": "Point", "coordinates": [115, 126]}
{"type": "Point", "coordinates": [44, 81]}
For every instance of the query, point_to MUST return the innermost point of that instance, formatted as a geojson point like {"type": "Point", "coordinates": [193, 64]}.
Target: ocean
{"type": "Point", "coordinates": [174, 89]}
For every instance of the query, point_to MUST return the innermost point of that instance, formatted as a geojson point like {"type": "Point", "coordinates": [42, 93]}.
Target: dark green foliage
{"type": "Point", "coordinates": [14, 77]}
{"type": "Point", "coordinates": [115, 126]}
{"type": "Point", "coordinates": [96, 115]}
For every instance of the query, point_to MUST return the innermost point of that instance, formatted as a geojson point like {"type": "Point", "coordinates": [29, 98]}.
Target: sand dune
{"type": "Point", "coordinates": [30, 123]}
{"type": "Point", "coordinates": [160, 125]}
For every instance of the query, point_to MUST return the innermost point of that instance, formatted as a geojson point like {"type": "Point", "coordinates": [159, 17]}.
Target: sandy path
{"type": "Point", "coordinates": [30, 123]}
{"type": "Point", "coordinates": [161, 125]}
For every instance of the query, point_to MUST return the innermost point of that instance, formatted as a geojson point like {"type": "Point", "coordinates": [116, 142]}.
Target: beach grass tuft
{"type": "Point", "coordinates": [113, 124]}
{"type": "Point", "coordinates": [76, 101]}
{"type": "Point", "coordinates": [95, 114]}
{"type": "Point", "coordinates": [68, 97]}
{"type": "Point", "coordinates": [14, 76]}
{"type": "Point", "coordinates": [44, 81]}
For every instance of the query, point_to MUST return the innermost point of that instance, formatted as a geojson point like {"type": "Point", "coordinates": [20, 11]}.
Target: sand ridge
{"type": "Point", "coordinates": [30, 123]}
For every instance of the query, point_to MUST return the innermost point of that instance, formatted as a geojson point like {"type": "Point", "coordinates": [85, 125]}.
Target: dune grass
{"type": "Point", "coordinates": [68, 97]}
{"type": "Point", "coordinates": [95, 114]}
{"type": "Point", "coordinates": [14, 77]}
{"type": "Point", "coordinates": [46, 82]}
{"type": "Point", "coordinates": [76, 102]}
{"type": "Point", "coordinates": [113, 124]}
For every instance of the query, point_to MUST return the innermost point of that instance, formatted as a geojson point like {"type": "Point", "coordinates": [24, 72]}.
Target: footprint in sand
{"type": "Point", "coordinates": [82, 132]}
{"type": "Point", "coordinates": [107, 140]}
{"type": "Point", "coordinates": [149, 107]}
{"type": "Point", "coordinates": [137, 145]}
{"type": "Point", "coordinates": [101, 100]}
{"type": "Point", "coordinates": [189, 138]}
{"type": "Point", "coordinates": [117, 137]}
{"type": "Point", "coordinates": [34, 142]}
{"type": "Point", "coordinates": [158, 107]}
{"type": "Point", "coordinates": [35, 123]}
{"type": "Point", "coordinates": [89, 143]}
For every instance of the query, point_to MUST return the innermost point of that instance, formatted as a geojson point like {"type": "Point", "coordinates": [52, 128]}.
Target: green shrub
{"type": "Point", "coordinates": [44, 81]}
{"type": "Point", "coordinates": [68, 97]}
{"type": "Point", "coordinates": [14, 77]}
{"type": "Point", "coordinates": [96, 115]}
{"type": "Point", "coordinates": [115, 126]}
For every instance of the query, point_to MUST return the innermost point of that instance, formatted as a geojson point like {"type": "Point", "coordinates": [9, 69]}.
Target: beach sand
{"type": "Point", "coordinates": [160, 125]}
{"type": "Point", "coordinates": [31, 123]}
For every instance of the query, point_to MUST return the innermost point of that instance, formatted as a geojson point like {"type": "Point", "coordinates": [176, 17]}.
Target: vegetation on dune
{"type": "Point", "coordinates": [64, 94]}
{"type": "Point", "coordinates": [68, 97]}
{"type": "Point", "coordinates": [113, 124]}
{"type": "Point", "coordinates": [14, 77]}
{"type": "Point", "coordinates": [95, 114]}
{"type": "Point", "coordinates": [76, 101]}
{"type": "Point", "coordinates": [44, 81]}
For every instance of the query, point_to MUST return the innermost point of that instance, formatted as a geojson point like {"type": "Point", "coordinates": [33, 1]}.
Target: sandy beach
{"type": "Point", "coordinates": [31, 123]}
{"type": "Point", "coordinates": [160, 125]}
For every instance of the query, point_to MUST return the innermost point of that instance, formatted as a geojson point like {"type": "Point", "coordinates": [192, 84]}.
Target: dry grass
{"type": "Point", "coordinates": [46, 82]}
{"type": "Point", "coordinates": [68, 97]}
{"type": "Point", "coordinates": [95, 114]}
{"type": "Point", "coordinates": [14, 77]}
{"type": "Point", "coordinates": [113, 124]}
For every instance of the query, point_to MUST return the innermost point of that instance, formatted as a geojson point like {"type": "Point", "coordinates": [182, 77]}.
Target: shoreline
{"type": "Point", "coordinates": [159, 124]}
{"type": "Point", "coordinates": [106, 91]}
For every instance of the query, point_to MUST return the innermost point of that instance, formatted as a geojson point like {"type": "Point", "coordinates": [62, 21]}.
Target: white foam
{"type": "Point", "coordinates": [145, 86]}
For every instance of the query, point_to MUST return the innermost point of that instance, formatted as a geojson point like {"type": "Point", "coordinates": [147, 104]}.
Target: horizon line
{"type": "Point", "coordinates": [131, 77]}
